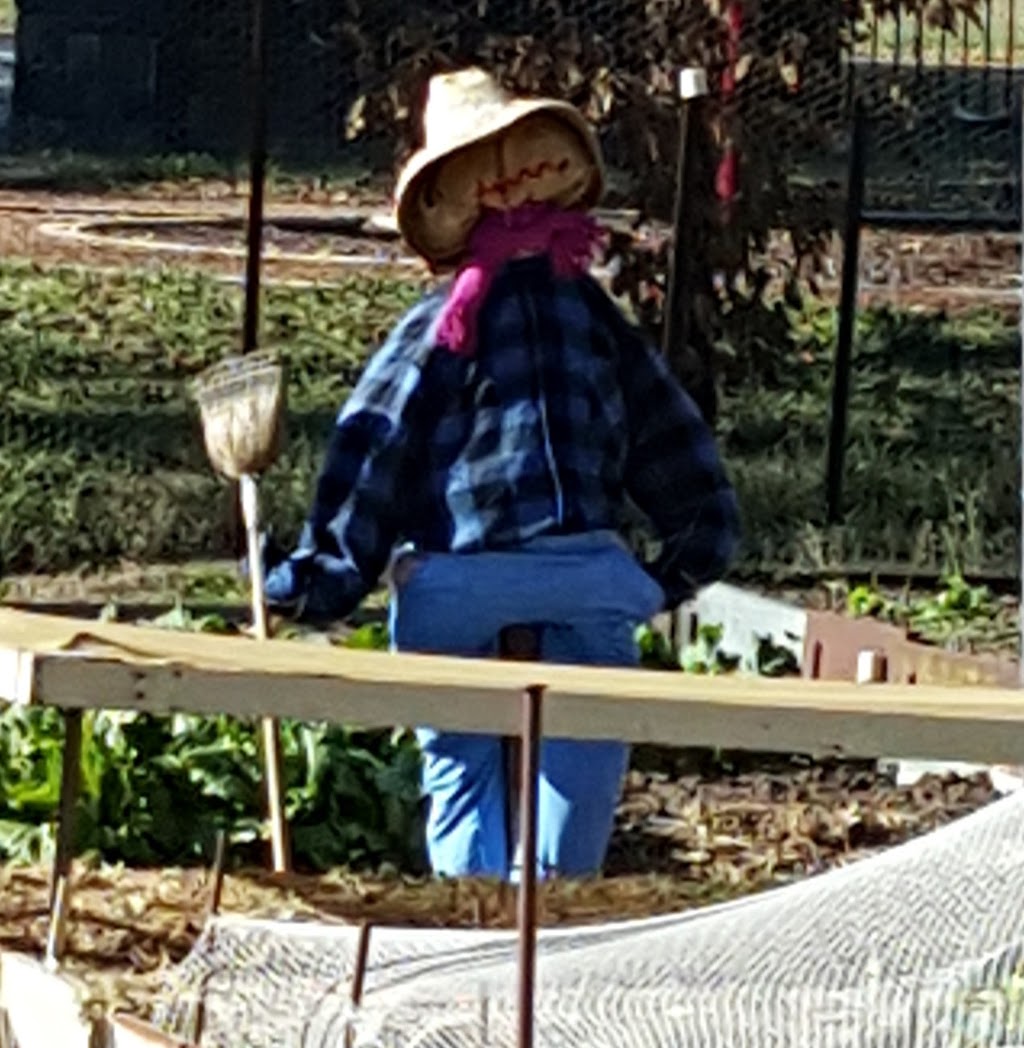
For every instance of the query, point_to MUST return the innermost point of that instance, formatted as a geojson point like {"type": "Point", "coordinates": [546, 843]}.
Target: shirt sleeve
{"type": "Point", "coordinates": [674, 473]}
{"type": "Point", "coordinates": [356, 514]}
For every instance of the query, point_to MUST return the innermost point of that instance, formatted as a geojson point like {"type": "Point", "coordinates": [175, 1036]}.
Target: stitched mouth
{"type": "Point", "coordinates": [502, 186]}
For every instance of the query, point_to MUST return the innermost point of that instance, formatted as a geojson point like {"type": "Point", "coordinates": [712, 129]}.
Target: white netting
{"type": "Point", "coordinates": [921, 946]}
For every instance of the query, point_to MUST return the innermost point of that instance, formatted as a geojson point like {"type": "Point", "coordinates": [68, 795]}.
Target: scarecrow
{"type": "Point", "coordinates": [486, 457]}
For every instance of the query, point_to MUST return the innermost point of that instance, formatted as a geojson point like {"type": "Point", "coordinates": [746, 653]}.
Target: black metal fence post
{"type": "Point", "coordinates": [847, 315]}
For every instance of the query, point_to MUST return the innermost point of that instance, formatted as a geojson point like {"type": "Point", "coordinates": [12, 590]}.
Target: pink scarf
{"type": "Point", "coordinates": [569, 238]}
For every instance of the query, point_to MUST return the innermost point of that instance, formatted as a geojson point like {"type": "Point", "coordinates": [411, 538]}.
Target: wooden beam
{"type": "Point", "coordinates": [92, 665]}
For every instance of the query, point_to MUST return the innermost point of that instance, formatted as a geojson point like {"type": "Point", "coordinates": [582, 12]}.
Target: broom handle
{"type": "Point", "coordinates": [251, 513]}
{"type": "Point", "coordinates": [270, 725]}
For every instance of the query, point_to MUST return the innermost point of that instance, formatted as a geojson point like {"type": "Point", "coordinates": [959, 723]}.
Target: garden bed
{"type": "Point", "coordinates": [101, 464]}
{"type": "Point", "coordinates": [685, 837]}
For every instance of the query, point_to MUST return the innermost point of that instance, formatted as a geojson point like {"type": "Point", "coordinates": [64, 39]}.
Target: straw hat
{"type": "Point", "coordinates": [464, 110]}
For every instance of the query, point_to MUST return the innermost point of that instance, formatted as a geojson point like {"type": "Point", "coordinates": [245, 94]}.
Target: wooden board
{"type": "Point", "coordinates": [80, 664]}
{"type": "Point", "coordinates": [126, 1031]}
{"type": "Point", "coordinates": [42, 1009]}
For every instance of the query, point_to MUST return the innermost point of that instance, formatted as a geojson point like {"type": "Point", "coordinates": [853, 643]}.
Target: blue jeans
{"type": "Point", "coordinates": [590, 594]}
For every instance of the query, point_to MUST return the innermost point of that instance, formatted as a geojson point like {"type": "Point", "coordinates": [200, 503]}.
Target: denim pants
{"type": "Point", "coordinates": [590, 594]}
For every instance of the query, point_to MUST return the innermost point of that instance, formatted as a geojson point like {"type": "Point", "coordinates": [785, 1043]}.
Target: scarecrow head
{"type": "Point", "coordinates": [485, 150]}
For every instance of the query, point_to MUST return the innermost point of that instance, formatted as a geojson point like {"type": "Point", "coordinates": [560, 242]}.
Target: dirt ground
{"type": "Point", "coordinates": [682, 840]}
{"type": "Point", "coordinates": [927, 270]}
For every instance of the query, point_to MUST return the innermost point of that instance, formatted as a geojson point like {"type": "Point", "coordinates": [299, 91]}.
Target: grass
{"type": "Point", "coordinates": [101, 458]}
{"type": "Point", "coordinates": [932, 462]}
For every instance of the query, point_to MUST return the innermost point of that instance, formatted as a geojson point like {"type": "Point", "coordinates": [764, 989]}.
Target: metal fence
{"type": "Point", "coordinates": [941, 82]}
{"type": "Point", "coordinates": [937, 85]}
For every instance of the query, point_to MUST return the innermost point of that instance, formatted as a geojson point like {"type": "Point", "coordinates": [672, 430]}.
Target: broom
{"type": "Point", "coordinates": [241, 400]}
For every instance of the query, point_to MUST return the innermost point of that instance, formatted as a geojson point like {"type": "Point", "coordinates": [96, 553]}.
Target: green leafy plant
{"type": "Point", "coordinates": [373, 636]}
{"type": "Point", "coordinates": [775, 660]}
{"type": "Point", "coordinates": [655, 649]}
{"type": "Point", "coordinates": [158, 790]}
{"type": "Point", "coordinates": [959, 615]}
{"type": "Point", "coordinates": [705, 655]}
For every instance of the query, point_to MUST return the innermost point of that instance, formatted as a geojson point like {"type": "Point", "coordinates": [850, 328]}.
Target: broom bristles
{"type": "Point", "coordinates": [241, 400]}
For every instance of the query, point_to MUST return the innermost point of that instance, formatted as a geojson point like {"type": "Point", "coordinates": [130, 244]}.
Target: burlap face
{"type": "Point", "coordinates": [539, 159]}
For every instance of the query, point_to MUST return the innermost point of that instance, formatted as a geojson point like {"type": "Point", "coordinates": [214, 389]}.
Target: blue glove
{"type": "Point", "coordinates": [282, 586]}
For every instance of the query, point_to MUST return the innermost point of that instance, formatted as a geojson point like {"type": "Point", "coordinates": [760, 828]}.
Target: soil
{"type": "Point", "coordinates": [685, 837]}
{"type": "Point", "coordinates": [925, 269]}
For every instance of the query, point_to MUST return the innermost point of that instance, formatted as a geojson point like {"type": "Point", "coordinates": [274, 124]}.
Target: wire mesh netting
{"type": "Point", "coordinates": [941, 85]}
{"type": "Point", "coordinates": [919, 947]}
{"type": "Point", "coordinates": [941, 80]}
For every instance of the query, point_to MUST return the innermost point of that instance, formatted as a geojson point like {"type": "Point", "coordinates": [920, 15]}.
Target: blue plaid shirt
{"type": "Point", "coordinates": [563, 414]}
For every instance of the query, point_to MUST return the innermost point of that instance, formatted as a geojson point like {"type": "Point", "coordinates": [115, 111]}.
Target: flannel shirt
{"type": "Point", "coordinates": [564, 412]}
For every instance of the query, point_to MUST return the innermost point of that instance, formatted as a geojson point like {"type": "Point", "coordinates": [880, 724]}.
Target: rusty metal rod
{"type": "Point", "coordinates": [359, 975]}
{"type": "Point", "coordinates": [527, 922]}
{"type": "Point", "coordinates": [217, 875]}
{"type": "Point", "coordinates": [70, 787]}
{"type": "Point", "coordinates": [60, 878]}
{"type": "Point", "coordinates": [520, 642]}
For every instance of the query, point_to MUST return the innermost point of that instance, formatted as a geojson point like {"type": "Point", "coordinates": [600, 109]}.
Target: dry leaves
{"type": "Point", "coordinates": [679, 843]}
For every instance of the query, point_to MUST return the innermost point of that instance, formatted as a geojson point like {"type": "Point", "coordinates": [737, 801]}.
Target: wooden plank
{"type": "Point", "coordinates": [42, 1009]}
{"type": "Point", "coordinates": [16, 674]}
{"type": "Point", "coordinates": [155, 671]}
{"type": "Point", "coordinates": [787, 715]}
{"type": "Point", "coordinates": [128, 1031]}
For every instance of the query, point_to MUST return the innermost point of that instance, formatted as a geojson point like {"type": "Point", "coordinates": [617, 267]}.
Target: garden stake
{"type": "Point", "coordinates": [528, 880]}
{"type": "Point", "coordinates": [693, 85]}
{"type": "Point", "coordinates": [522, 643]}
{"type": "Point", "coordinates": [217, 875]}
{"type": "Point", "coordinates": [517, 643]}
{"type": "Point", "coordinates": [242, 400]}
{"type": "Point", "coordinates": [70, 787]}
{"type": "Point", "coordinates": [212, 910]}
{"type": "Point", "coordinates": [847, 316]}
{"type": "Point", "coordinates": [359, 976]}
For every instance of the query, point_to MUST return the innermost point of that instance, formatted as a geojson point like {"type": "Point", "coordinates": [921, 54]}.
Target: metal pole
{"type": "Point", "coordinates": [693, 84]}
{"type": "Point", "coordinates": [254, 225]}
{"type": "Point", "coordinates": [847, 315]}
{"type": "Point", "coordinates": [531, 730]}
{"type": "Point", "coordinates": [257, 172]}
{"type": "Point", "coordinates": [70, 788]}
{"type": "Point", "coordinates": [359, 976]}
{"type": "Point", "coordinates": [520, 642]}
